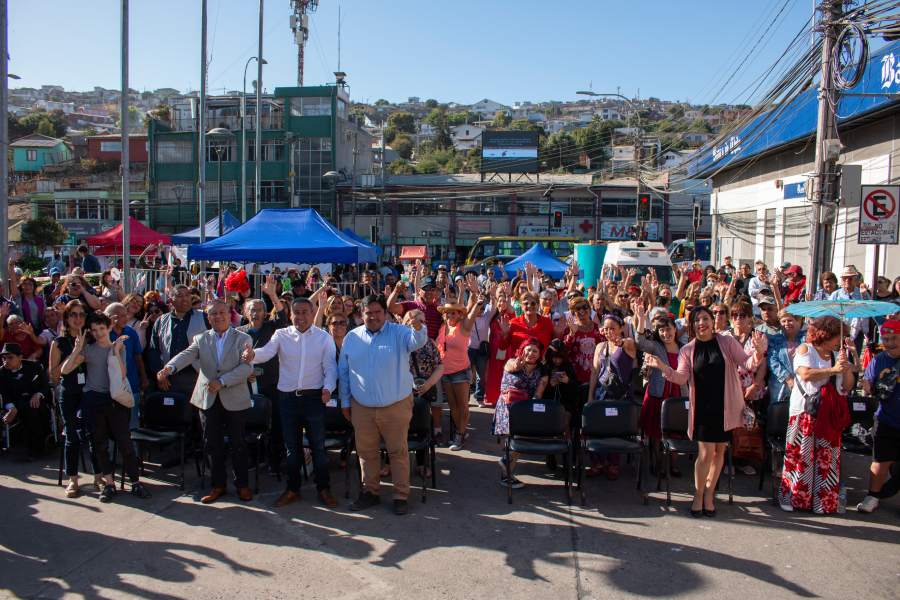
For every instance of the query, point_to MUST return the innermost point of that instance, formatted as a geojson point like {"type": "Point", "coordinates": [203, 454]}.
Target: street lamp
{"type": "Point", "coordinates": [13, 76]}
{"type": "Point", "coordinates": [244, 139]}
{"type": "Point", "coordinates": [220, 139]}
{"type": "Point", "coordinates": [332, 178]}
{"type": "Point", "coordinates": [637, 138]}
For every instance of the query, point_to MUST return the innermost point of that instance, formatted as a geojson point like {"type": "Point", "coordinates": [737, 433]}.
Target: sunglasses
{"type": "Point", "coordinates": [582, 309]}
{"type": "Point", "coordinates": [740, 316]}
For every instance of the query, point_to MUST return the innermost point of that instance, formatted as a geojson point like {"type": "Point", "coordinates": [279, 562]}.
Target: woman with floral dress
{"type": "Point", "coordinates": [811, 478]}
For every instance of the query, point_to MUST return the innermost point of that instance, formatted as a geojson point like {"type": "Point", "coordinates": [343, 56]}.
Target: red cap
{"type": "Point", "coordinates": [890, 326]}
{"type": "Point", "coordinates": [634, 289]}
{"type": "Point", "coordinates": [794, 269]}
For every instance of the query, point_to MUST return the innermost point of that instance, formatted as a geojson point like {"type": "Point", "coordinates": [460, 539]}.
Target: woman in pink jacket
{"type": "Point", "coordinates": [708, 365]}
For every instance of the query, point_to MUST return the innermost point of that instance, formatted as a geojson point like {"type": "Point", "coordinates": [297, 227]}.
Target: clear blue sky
{"type": "Point", "coordinates": [462, 51]}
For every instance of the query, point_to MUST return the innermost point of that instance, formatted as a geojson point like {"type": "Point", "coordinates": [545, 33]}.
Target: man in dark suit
{"type": "Point", "coordinates": [221, 394]}
{"type": "Point", "coordinates": [26, 392]}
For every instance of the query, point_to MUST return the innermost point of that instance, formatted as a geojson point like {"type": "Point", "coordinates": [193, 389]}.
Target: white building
{"type": "Point", "coordinates": [488, 108]}
{"type": "Point", "coordinates": [466, 137]}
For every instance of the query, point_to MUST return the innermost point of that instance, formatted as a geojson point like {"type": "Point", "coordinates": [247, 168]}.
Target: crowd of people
{"type": "Point", "coordinates": [365, 343]}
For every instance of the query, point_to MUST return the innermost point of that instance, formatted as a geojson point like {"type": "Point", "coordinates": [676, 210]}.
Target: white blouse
{"type": "Point", "coordinates": [811, 360]}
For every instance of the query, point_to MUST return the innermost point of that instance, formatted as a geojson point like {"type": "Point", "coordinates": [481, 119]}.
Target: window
{"type": "Point", "coordinates": [314, 106]}
{"type": "Point", "coordinates": [229, 191]}
{"type": "Point", "coordinates": [87, 209]}
{"type": "Point", "coordinates": [342, 108]}
{"type": "Point", "coordinates": [270, 191]}
{"type": "Point", "coordinates": [213, 148]}
{"type": "Point", "coordinates": [272, 150]}
{"type": "Point", "coordinates": [173, 151]}
{"type": "Point", "coordinates": [111, 146]}
{"type": "Point", "coordinates": [312, 159]}
{"type": "Point", "coordinates": [169, 192]}
{"type": "Point", "coordinates": [31, 155]}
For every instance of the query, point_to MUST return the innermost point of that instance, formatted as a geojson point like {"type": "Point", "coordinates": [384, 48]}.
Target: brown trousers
{"type": "Point", "coordinates": [390, 423]}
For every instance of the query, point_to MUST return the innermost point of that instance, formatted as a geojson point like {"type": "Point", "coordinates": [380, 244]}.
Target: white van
{"type": "Point", "coordinates": [641, 256]}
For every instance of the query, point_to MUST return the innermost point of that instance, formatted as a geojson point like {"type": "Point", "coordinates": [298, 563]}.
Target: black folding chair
{"type": "Point", "coordinates": [674, 424]}
{"type": "Point", "coordinates": [256, 430]}
{"type": "Point", "coordinates": [858, 436]}
{"type": "Point", "coordinates": [167, 422]}
{"type": "Point", "coordinates": [611, 428]}
{"type": "Point", "coordinates": [338, 436]}
{"type": "Point", "coordinates": [538, 427]}
{"type": "Point", "coordinates": [776, 437]}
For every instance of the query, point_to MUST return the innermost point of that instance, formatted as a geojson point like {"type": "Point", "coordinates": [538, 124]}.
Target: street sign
{"type": "Point", "coordinates": [878, 215]}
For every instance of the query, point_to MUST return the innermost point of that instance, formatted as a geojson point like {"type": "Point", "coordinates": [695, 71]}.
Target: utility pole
{"type": "Point", "coordinates": [4, 138]}
{"type": "Point", "coordinates": [823, 188]}
{"type": "Point", "coordinates": [260, 61]}
{"type": "Point", "coordinates": [201, 143]}
{"type": "Point", "coordinates": [126, 188]}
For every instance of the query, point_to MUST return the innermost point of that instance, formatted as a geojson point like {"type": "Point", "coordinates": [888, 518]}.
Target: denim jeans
{"type": "Point", "coordinates": [479, 362]}
{"type": "Point", "coordinates": [307, 412]}
{"type": "Point", "coordinates": [74, 432]}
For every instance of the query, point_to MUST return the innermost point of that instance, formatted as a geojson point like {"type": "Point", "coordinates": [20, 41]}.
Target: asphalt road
{"type": "Point", "coordinates": [465, 542]}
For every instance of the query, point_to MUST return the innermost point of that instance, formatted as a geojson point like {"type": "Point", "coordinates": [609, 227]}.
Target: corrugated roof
{"type": "Point", "coordinates": [35, 140]}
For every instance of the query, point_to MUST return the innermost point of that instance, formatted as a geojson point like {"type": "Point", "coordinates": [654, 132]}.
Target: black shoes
{"type": "Point", "coordinates": [108, 493]}
{"type": "Point", "coordinates": [139, 491]}
{"type": "Point", "coordinates": [401, 507]}
{"type": "Point", "coordinates": [365, 500]}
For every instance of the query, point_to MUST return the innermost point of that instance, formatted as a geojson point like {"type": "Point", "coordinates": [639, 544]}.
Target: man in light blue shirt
{"type": "Point", "coordinates": [376, 396]}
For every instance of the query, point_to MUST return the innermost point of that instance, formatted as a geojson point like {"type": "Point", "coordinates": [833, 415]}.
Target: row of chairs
{"type": "Point", "coordinates": [538, 427]}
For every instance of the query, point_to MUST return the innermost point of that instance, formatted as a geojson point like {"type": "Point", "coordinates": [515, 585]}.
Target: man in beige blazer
{"type": "Point", "coordinates": [221, 394]}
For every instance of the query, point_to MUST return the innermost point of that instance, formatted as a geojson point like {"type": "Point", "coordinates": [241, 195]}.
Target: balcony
{"type": "Point", "coordinates": [273, 121]}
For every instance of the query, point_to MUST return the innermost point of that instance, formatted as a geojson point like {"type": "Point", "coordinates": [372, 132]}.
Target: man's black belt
{"type": "Point", "coordinates": [307, 392]}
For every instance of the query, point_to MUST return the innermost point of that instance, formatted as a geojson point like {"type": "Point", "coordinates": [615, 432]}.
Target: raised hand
{"type": "Point", "coordinates": [504, 323]}
{"type": "Point", "coordinates": [760, 342]}
{"type": "Point", "coordinates": [653, 362]}
{"type": "Point", "coordinates": [248, 355]}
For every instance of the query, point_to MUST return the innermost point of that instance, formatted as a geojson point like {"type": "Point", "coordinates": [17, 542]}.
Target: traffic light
{"type": "Point", "coordinates": [557, 219]}
{"type": "Point", "coordinates": [643, 207]}
{"type": "Point", "coordinates": [696, 216]}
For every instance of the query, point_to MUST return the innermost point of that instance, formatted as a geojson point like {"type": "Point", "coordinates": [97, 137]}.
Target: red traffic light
{"type": "Point", "coordinates": [557, 218]}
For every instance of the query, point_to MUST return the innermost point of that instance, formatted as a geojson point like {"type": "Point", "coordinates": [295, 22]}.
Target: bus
{"type": "Point", "coordinates": [512, 246]}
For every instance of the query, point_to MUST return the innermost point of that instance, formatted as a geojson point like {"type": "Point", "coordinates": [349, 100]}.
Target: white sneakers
{"type": "Point", "coordinates": [869, 504]}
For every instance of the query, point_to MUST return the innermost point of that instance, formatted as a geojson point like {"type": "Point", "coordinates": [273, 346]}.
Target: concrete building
{"type": "Point", "coordinates": [760, 209]}
{"type": "Point", "coordinates": [306, 133]}
{"type": "Point", "coordinates": [488, 108]}
{"type": "Point", "coordinates": [449, 213]}
{"type": "Point", "coordinates": [466, 137]}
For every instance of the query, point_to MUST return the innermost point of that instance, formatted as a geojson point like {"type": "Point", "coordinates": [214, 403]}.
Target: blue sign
{"type": "Point", "coordinates": [795, 190]}
{"type": "Point", "coordinates": [797, 120]}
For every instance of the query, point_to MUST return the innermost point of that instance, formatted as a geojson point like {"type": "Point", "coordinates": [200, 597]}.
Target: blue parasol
{"type": "Point", "coordinates": [843, 309]}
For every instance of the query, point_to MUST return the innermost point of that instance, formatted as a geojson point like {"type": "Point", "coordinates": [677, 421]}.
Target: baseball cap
{"type": "Point", "coordinates": [765, 296]}
{"type": "Point", "coordinates": [54, 271]}
{"type": "Point", "coordinates": [890, 326]}
{"type": "Point", "coordinates": [793, 269]}
{"type": "Point", "coordinates": [426, 282]}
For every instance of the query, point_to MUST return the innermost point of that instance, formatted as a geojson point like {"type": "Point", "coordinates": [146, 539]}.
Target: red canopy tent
{"type": "Point", "coordinates": [109, 242]}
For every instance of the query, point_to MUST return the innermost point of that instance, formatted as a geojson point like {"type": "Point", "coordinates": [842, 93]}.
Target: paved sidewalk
{"type": "Point", "coordinates": [465, 542]}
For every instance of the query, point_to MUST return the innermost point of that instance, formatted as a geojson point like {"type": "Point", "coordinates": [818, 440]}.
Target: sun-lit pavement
{"type": "Point", "coordinates": [465, 542]}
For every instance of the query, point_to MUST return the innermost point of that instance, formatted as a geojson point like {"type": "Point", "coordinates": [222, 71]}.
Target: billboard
{"type": "Point", "coordinates": [509, 152]}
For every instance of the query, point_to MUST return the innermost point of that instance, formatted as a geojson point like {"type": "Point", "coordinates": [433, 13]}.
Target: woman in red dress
{"type": "Point", "coordinates": [501, 315]}
{"type": "Point", "coordinates": [530, 325]}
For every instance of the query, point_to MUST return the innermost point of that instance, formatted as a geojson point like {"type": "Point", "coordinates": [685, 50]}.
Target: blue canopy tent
{"type": "Point", "coordinates": [352, 235]}
{"type": "Point", "coordinates": [541, 258]}
{"type": "Point", "coordinates": [229, 222]}
{"type": "Point", "coordinates": [290, 235]}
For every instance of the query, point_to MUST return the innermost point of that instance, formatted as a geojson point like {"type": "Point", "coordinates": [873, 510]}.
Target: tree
{"type": "Point", "coordinates": [45, 127]}
{"type": "Point", "coordinates": [560, 151]}
{"type": "Point", "coordinates": [399, 122]}
{"type": "Point", "coordinates": [401, 166]}
{"type": "Point", "coordinates": [162, 113]}
{"type": "Point", "coordinates": [431, 103]}
{"type": "Point", "coordinates": [594, 140]}
{"type": "Point", "coordinates": [461, 118]}
{"type": "Point", "coordinates": [403, 146]}
{"type": "Point", "coordinates": [381, 102]}
{"type": "Point", "coordinates": [501, 120]}
{"type": "Point", "coordinates": [437, 118]}
{"type": "Point", "coordinates": [134, 118]}
{"type": "Point", "coordinates": [42, 233]}
{"type": "Point", "coordinates": [56, 124]}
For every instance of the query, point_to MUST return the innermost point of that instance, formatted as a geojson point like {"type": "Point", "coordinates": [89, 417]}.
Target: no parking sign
{"type": "Point", "coordinates": [878, 214]}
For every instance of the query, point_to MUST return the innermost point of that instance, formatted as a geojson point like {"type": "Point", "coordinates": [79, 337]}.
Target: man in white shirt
{"type": "Point", "coordinates": [307, 360]}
